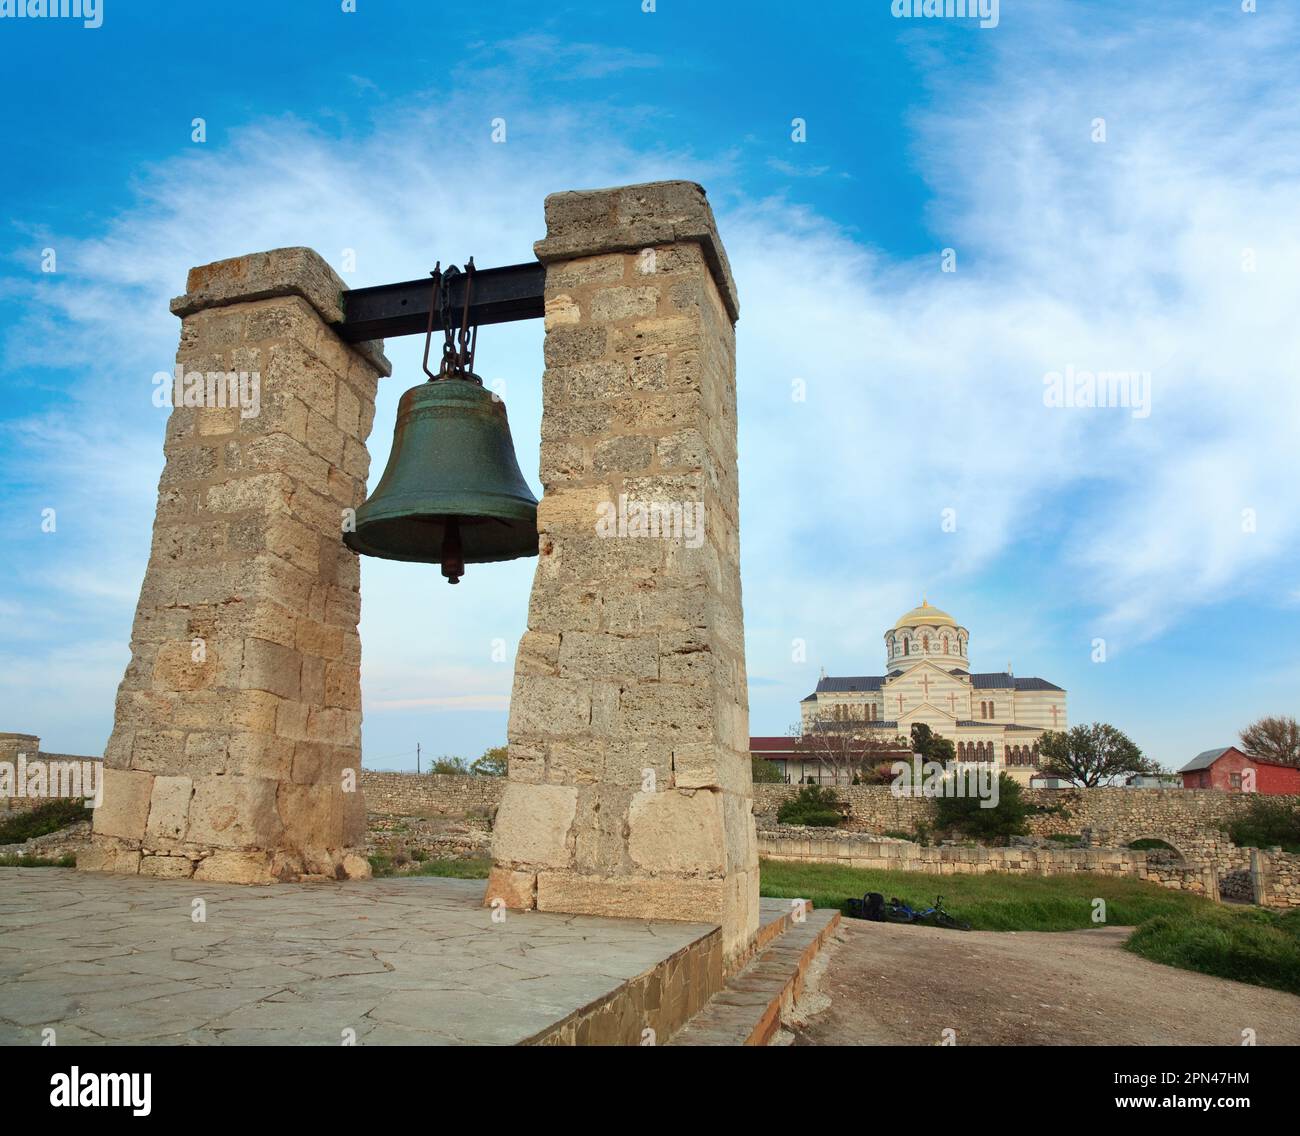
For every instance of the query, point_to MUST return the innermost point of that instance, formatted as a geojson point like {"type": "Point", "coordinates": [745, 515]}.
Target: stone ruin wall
{"type": "Point", "coordinates": [1112, 815]}
{"type": "Point", "coordinates": [431, 794]}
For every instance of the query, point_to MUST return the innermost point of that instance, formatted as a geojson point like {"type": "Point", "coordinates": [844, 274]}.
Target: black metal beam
{"type": "Point", "coordinates": [501, 295]}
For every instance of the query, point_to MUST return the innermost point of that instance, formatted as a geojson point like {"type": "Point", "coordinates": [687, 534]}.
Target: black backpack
{"type": "Point", "coordinates": [870, 906]}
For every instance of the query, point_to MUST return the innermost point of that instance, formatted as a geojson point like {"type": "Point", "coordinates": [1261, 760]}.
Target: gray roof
{"type": "Point", "coordinates": [1036, 684]}
{"type": "Point", "coordinates": [1205, 759]}
{"type": "Point", "coordinates": [994, 680]}
{"type": "Point", "coordinates": [1000, 680]}
{"type": "Point", "coordinates": [852, 682]}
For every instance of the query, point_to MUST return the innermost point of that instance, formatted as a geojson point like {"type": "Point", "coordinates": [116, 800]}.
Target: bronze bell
{"type": "Point", "coordinates": [452, 492]}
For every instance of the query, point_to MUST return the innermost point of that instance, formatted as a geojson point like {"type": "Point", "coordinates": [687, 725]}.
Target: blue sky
{"type": "Point", "coordinates": [371, 131]}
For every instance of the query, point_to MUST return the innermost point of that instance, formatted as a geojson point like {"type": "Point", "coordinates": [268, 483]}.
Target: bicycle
{"type": "Point", "coordinates": [899, 911]}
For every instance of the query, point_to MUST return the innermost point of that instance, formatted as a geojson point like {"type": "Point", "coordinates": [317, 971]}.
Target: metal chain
{"type": "Point", "coordinates": [459, 344]}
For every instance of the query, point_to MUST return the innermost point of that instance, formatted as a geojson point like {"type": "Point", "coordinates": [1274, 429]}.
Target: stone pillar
{"type": "Point", "coordinates": [629, 789]}
{"type": "Point", "coordinates": [1259, 870]}
{"type": "Point", "coordinates": [237, 735]}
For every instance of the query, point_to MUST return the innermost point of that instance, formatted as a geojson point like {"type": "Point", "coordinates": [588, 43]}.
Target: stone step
{"type": "Point", "coordinates": [747, 1011]}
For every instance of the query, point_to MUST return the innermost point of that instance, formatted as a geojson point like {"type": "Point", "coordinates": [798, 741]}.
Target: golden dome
{"type": "Point", "coordinates": [927, 616]}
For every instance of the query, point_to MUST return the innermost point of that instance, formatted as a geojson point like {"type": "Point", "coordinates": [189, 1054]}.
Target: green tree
{"type": "Point", "coordinates": [765, 772]}
{"type": "Point", "coordinates": [492, 763]}
{"type": "Point", "coordinates": [931, 746]}
{"type": "Point", "coordinates": [1273, 739]}
{"type": "Point", "coordinates": [449, 763]}
{"type": "Point", "coordinates": [1089, 756]}
{"type": "Point", "coordinates": [998, 824]}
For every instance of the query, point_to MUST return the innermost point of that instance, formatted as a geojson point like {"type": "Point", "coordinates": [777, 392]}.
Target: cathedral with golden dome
{"type": "Point", "coordinates": [988, 716]}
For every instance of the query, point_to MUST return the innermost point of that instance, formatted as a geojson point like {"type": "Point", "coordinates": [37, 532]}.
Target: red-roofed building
{"type": "Point", "coordinates": [798, 765]}
{"type": "Point", "coordinates": [1227, 768]}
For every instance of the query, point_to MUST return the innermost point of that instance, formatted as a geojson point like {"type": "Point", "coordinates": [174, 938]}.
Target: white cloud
{"type": "Point", "coordinates": [924, 388]}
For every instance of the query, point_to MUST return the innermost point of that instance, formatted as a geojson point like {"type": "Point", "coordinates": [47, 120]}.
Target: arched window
{"type": "Point", "coordinates": [925, 644]}
{"type": "Point", "coordinates": [945, 644]}
{"type": "Point", "coordinates": [907, 646]}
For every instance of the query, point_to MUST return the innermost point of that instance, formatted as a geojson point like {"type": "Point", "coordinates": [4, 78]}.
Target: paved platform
{"type": "Point", "coordinates": [121, 960]}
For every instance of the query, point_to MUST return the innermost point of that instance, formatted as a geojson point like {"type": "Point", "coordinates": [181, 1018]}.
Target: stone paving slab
{"type": "Point", "coordinates": [106, 959]}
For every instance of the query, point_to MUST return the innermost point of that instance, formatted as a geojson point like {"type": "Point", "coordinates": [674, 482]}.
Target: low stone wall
{"type": "Point", "coordinates": [431, 794]}
{"type": "Point", "coordinates": [1118, 816]}
{"type": "Point", "coordinates": [1216, 868]}
{"type": "Point", "coordinates": [858, 850]}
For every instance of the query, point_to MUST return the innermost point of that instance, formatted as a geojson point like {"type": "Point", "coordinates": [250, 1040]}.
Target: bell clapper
{"type": "Point", "coordinates": [453, 558]}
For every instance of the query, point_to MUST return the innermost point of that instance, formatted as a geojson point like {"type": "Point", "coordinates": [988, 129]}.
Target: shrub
{"type": "Point", "coordinates": [815, 805]}
{"type": "Point", "coordinates": [1069, 839]}
{"type": "Point", "coordinates": [448, 763]}
{"type": "Point", "coordinates": [998, 824]}
{"type": "Point", "coordinates": [492, 764]}
{"type": "Point", "coordinates": [765, 772]}
{"type": "Point", "coordinates": [1268, 822]}
{"type": "Point", "coordinates": [46, 818]}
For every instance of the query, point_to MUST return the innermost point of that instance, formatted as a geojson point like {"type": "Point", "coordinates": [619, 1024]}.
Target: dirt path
{"type": "Point", "coordinates": [883, 984]}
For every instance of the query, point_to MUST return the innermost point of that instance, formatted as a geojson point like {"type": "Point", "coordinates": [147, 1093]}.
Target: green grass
{"type": "Point", "coordinates": [1245, 944]}
{"type": "Point", "coordinates": [454, 869]}
{"type": "Point", "coordinates": [24, 861]}
{"type": "Point", "coordinates": [46, 818]}
{"type": "Point", "coordinates": [993, 902]}
{"type": "Point", "coordinates": [381, 864]}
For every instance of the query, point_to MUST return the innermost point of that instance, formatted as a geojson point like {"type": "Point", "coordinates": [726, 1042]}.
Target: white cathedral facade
{"type": "Point", "coordinates": [990, 716]}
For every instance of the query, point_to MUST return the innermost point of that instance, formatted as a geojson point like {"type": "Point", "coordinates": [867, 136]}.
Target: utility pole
{"type": "Point", "coordinates": [417, 757]}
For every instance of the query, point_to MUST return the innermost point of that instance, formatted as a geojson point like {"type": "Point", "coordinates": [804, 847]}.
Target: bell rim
{"type": "Point", "coordinates": [355, 541]}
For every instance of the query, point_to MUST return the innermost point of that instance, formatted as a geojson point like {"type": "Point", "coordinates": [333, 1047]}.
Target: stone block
{"type": "Point", "coordinates": [124, 809]}
{"type": "Point", "coordinates": [517, 890]}
{"type": "Point", "coordinates": [169, 810]}
{"type": "Point", "coordinates": [235, 868]}
{"type": "Point", "coordinates": [677, 831]}
{"type": "Point", "coordinates": [533, 825]}
{"type": "Point", "coordinates": [235, 813]}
